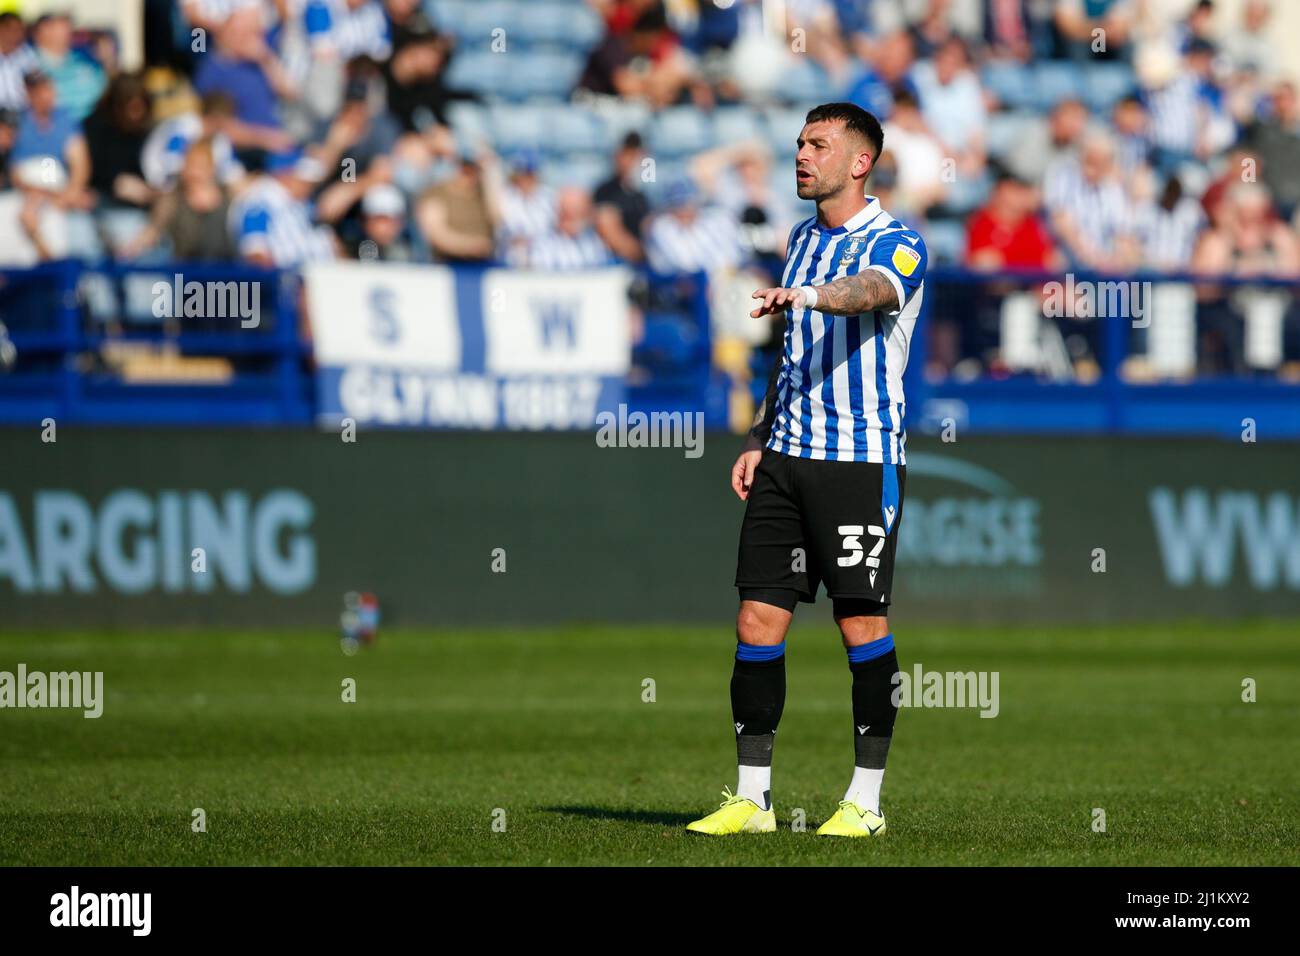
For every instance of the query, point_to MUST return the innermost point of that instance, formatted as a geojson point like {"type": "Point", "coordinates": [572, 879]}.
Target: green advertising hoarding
{"type": "Point", "coordinates": [167, 528]}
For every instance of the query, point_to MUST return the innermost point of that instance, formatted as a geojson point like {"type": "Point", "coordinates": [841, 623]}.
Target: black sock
{"type": "Point", "coordinates": [757, 700]}
{"type": "Point", "coordinates": [873, 709]}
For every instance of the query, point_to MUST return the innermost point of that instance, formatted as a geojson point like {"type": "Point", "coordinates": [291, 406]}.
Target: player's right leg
{"type": "Point", "coordinates": [757, 701]}
{"type": "Point", "coordinates": [771, 578]}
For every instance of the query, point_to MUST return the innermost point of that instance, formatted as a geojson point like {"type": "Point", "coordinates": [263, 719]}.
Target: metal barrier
{"type": "Point", "coordinates": [993, 352]}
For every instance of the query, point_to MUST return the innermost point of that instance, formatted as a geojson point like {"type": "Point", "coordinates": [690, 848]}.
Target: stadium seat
{"type": "Point", "coordinates": [537, 75]}
{"type": "Point", "coordinates": [622, 117]}
{"type": "Point", "coordinates": [804, 83]}
{"type": "Point", "coordinates": [1011, 83]}
{"type": "Point", "coordinates": [735, 124]}
{"type": "Point", "coordinates": [480, 72]}
{"type": "Point", "coordinates": [1104, 84]}
{"type": "Point", "coordinates": [576, 27]}
{"type": "Point", "coordinates": [517, 127]}
{"type": "Point", "coordinates": [1005, 131]}
{"type": "Point", "coordinates": [1055, 81]}
{"type": "Point", "coordinates": [680, 131]}
{"type": "Point", "coordinates": [783, 126]}
{"type": "Point", "coordinates": [573, 129]}
{"type": "Point", "coordinates": [469, 121]}
{"type": "Point", "coordinates": [945, 240]}
{"type": "Point", "coordinates": [480, 19]}
{"type": "Point", "coordinates": [587, 170]}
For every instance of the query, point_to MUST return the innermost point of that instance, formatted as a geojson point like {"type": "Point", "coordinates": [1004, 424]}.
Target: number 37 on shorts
{"type": "Point", "coordinates": [841, 517]}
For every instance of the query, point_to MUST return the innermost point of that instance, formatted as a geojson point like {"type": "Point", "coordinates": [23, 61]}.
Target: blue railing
{"type": "Point", "coordinates": [61, 318]}
{"type": "Point", "coordinates": [1111, 403]}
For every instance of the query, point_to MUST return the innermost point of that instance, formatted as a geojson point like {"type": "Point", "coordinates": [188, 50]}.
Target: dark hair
{"type": "Point", "coordinates": [905, 97]}
{"type": "Point", "coordinates": [855, 120]}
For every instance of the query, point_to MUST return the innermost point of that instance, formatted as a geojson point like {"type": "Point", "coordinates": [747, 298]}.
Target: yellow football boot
{"type": "Point", "coordinates": [735, 815]}
{"type": "Point", "coordinates": [851, 820]}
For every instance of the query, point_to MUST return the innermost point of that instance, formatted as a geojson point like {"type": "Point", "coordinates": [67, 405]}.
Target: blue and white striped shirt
{"type": "Point", "coordinates": [266, 219]}
{"type": "Point", "coordinates": [839, 393]}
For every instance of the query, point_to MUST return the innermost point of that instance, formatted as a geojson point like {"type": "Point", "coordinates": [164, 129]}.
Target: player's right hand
{"type": "Point", "coordinates": [776, 300]}
{"type": "Point", "coordinates": [742, 472]}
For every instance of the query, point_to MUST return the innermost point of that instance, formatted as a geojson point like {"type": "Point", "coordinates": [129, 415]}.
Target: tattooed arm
{"type": "Point", "coordinates": [867, 291]}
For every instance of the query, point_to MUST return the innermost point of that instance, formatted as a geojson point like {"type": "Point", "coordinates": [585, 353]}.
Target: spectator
{"type": "Point", "coordinates": [1132, 142]}
{"type": "Point", "coordinates": [78, 79]}
{"type": "Point", "coordinates": [573, 243]}
{"type": "Point", "coordinates": [1275, 140]}
{"type": "Point", "coordinates": [362, 132]}
{"type": "Point", "coordinates": [1089, 209]}
{"type": "Point", "coordinates": [952, 103]}
{"type": "Point", "coordinates": [689, 237]}
{"type": "Point", "coordinates": [1168, 228]}
{"type": "Point", "coordinates": [1011, 28]}
{"type": "Point", "coordinates": [1007, 233]}
{"type": "Point", "coordinates": [47, 133]}
{"type": "Point", "coordinates": [527, 208]}
{"type": "Point", "coordinates": [16, 60]}
{"type": "Point", "coordinates": [1250, 240]}
{"type": "Point", "coordinates": [1044, 145]}
{"type": "Point", "coordinates": [738, 179]}
{"type": "Point", "coordinates": [1094, 28]}
{"type": "Point", "coordinates": [246, 70]}
{"type": "Point", "coordinates": [116, 131]}
{"type": "Point", "coordinates": [33, 228]}
{"type": "Point", "coordinates": [458, 216]}
{"type": "Point", "coordinates": [343, 29]}
{"type": "Point", "coordinates": [193, 218]}
{"type": "Point", "coordinates": [1189, 118]}
{"type": "Point", "coordinates": [417, 94]}
{"type": "Point", "coordinates": [646, 63]}
{"type": "Point", "coordinates": [1249, 46]}
{"type": "Point", "coordinates": [1247, 242]}
{"type": "Point", "coordinates": [921, 181]}
{"type": "Point", "coordinates": [167, 145]}
{"type": "Point", "coordinates": [383, 226]}
{"type": "Point", "coordinates": [621, 205]}
{"type": "Point", "coordinates": [888, 71]}
{"type": "Point", "coordinates": [271, 219]}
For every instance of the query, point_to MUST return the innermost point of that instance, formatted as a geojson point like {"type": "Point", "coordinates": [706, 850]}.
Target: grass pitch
{"type": "Point", "coordinates": [548, 732]}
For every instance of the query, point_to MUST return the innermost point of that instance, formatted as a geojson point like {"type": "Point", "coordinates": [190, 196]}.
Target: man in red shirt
{"type": "Point", "coordinates": [1007, 233]}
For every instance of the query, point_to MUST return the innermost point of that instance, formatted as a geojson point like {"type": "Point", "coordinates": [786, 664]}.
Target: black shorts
{"type": "Point", "coordinates": [809, 522]}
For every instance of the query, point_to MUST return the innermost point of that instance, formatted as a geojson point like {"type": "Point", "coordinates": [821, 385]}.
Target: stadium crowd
{"type": "Point", "coordinates": [1109, 135]}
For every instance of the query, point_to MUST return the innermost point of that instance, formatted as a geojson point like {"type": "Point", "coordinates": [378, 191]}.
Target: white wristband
{"type": "Point", "coordinates": [809, 296]}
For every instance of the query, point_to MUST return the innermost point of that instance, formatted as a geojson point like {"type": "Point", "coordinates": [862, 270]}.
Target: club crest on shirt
{"type": "Point", "coordinates": [852, 249]}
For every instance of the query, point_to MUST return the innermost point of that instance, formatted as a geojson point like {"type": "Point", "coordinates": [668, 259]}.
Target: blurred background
{"type": "Point", "coordinates": [300, 218]}
{"type": "Point", "coordinates": [1155, 140]}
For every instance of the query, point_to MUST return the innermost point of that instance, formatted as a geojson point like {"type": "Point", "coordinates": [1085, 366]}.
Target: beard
{"type": "Point", "coordinates": [820, 188]}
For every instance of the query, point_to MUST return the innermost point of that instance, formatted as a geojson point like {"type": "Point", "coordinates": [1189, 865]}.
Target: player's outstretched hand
{"type": "Point", "coordinates": [742, 472]}
{"type": "Point", "coordinates": [776, 300]}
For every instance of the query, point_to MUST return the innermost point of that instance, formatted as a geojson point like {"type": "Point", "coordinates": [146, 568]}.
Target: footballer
{"type": "Point", "coordinates": [823, 470]}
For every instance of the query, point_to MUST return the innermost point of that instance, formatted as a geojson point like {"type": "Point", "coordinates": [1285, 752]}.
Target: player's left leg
{"type": "Point", "coordinates": [873, 663]}
{"type": "Point", "coordinates": [855, 509]}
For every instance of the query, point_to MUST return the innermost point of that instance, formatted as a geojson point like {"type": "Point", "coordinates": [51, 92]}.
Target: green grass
{"type": "Point", "coordinates": [549, 725]}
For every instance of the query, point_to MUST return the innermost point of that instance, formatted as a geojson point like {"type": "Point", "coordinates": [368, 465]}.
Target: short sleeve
{"type": "Point", "coordinates": [902, 257]}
